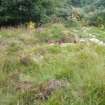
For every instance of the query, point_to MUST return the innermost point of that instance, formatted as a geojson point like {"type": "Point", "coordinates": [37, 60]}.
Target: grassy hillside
{"type": "Point", "coordinates": [37, 69]}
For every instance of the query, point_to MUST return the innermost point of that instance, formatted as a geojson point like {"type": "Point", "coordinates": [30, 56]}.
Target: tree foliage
{"type": "Point", "coordinates": [17, 11]}
{"type": "Point", "coordinates": [42, 11]}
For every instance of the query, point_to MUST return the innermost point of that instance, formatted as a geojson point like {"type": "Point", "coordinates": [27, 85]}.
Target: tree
{"type": "Point", "coordinates": [20, 11]}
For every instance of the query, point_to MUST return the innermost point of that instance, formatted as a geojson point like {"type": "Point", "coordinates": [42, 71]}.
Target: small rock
{"type": "Point", "coordinates": [42, 91]}
{"type": "Point", "coordinates": [97, 41]}
{"type": "Point", "coordinates": [45, 90]}
{"type": "Point", "coordinates": [82, 40]}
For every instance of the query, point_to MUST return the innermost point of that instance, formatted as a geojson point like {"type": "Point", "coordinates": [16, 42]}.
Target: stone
{"type": "Point", "coordinates": [46, 89]}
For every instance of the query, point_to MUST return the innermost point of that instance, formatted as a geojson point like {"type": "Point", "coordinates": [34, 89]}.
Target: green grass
{"type": "Point", "coordinates": [25, 56]}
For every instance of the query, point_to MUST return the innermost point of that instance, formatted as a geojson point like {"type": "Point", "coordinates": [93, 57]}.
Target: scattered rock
{"type": "Point", "coordinates": [82, 40]}
{"type": "Point", "coordinates": [92, 40]}
{"type": "Point", "coordinates": [72, 40]}
{"type": "Point", "coordinates": [42, 91]}
{"type": "Point", "coordinates": [67, 39]}
{"type": "Point", "coordinates": [46, 89]}
{"type": "Point", "coordinates": [97, 41]}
